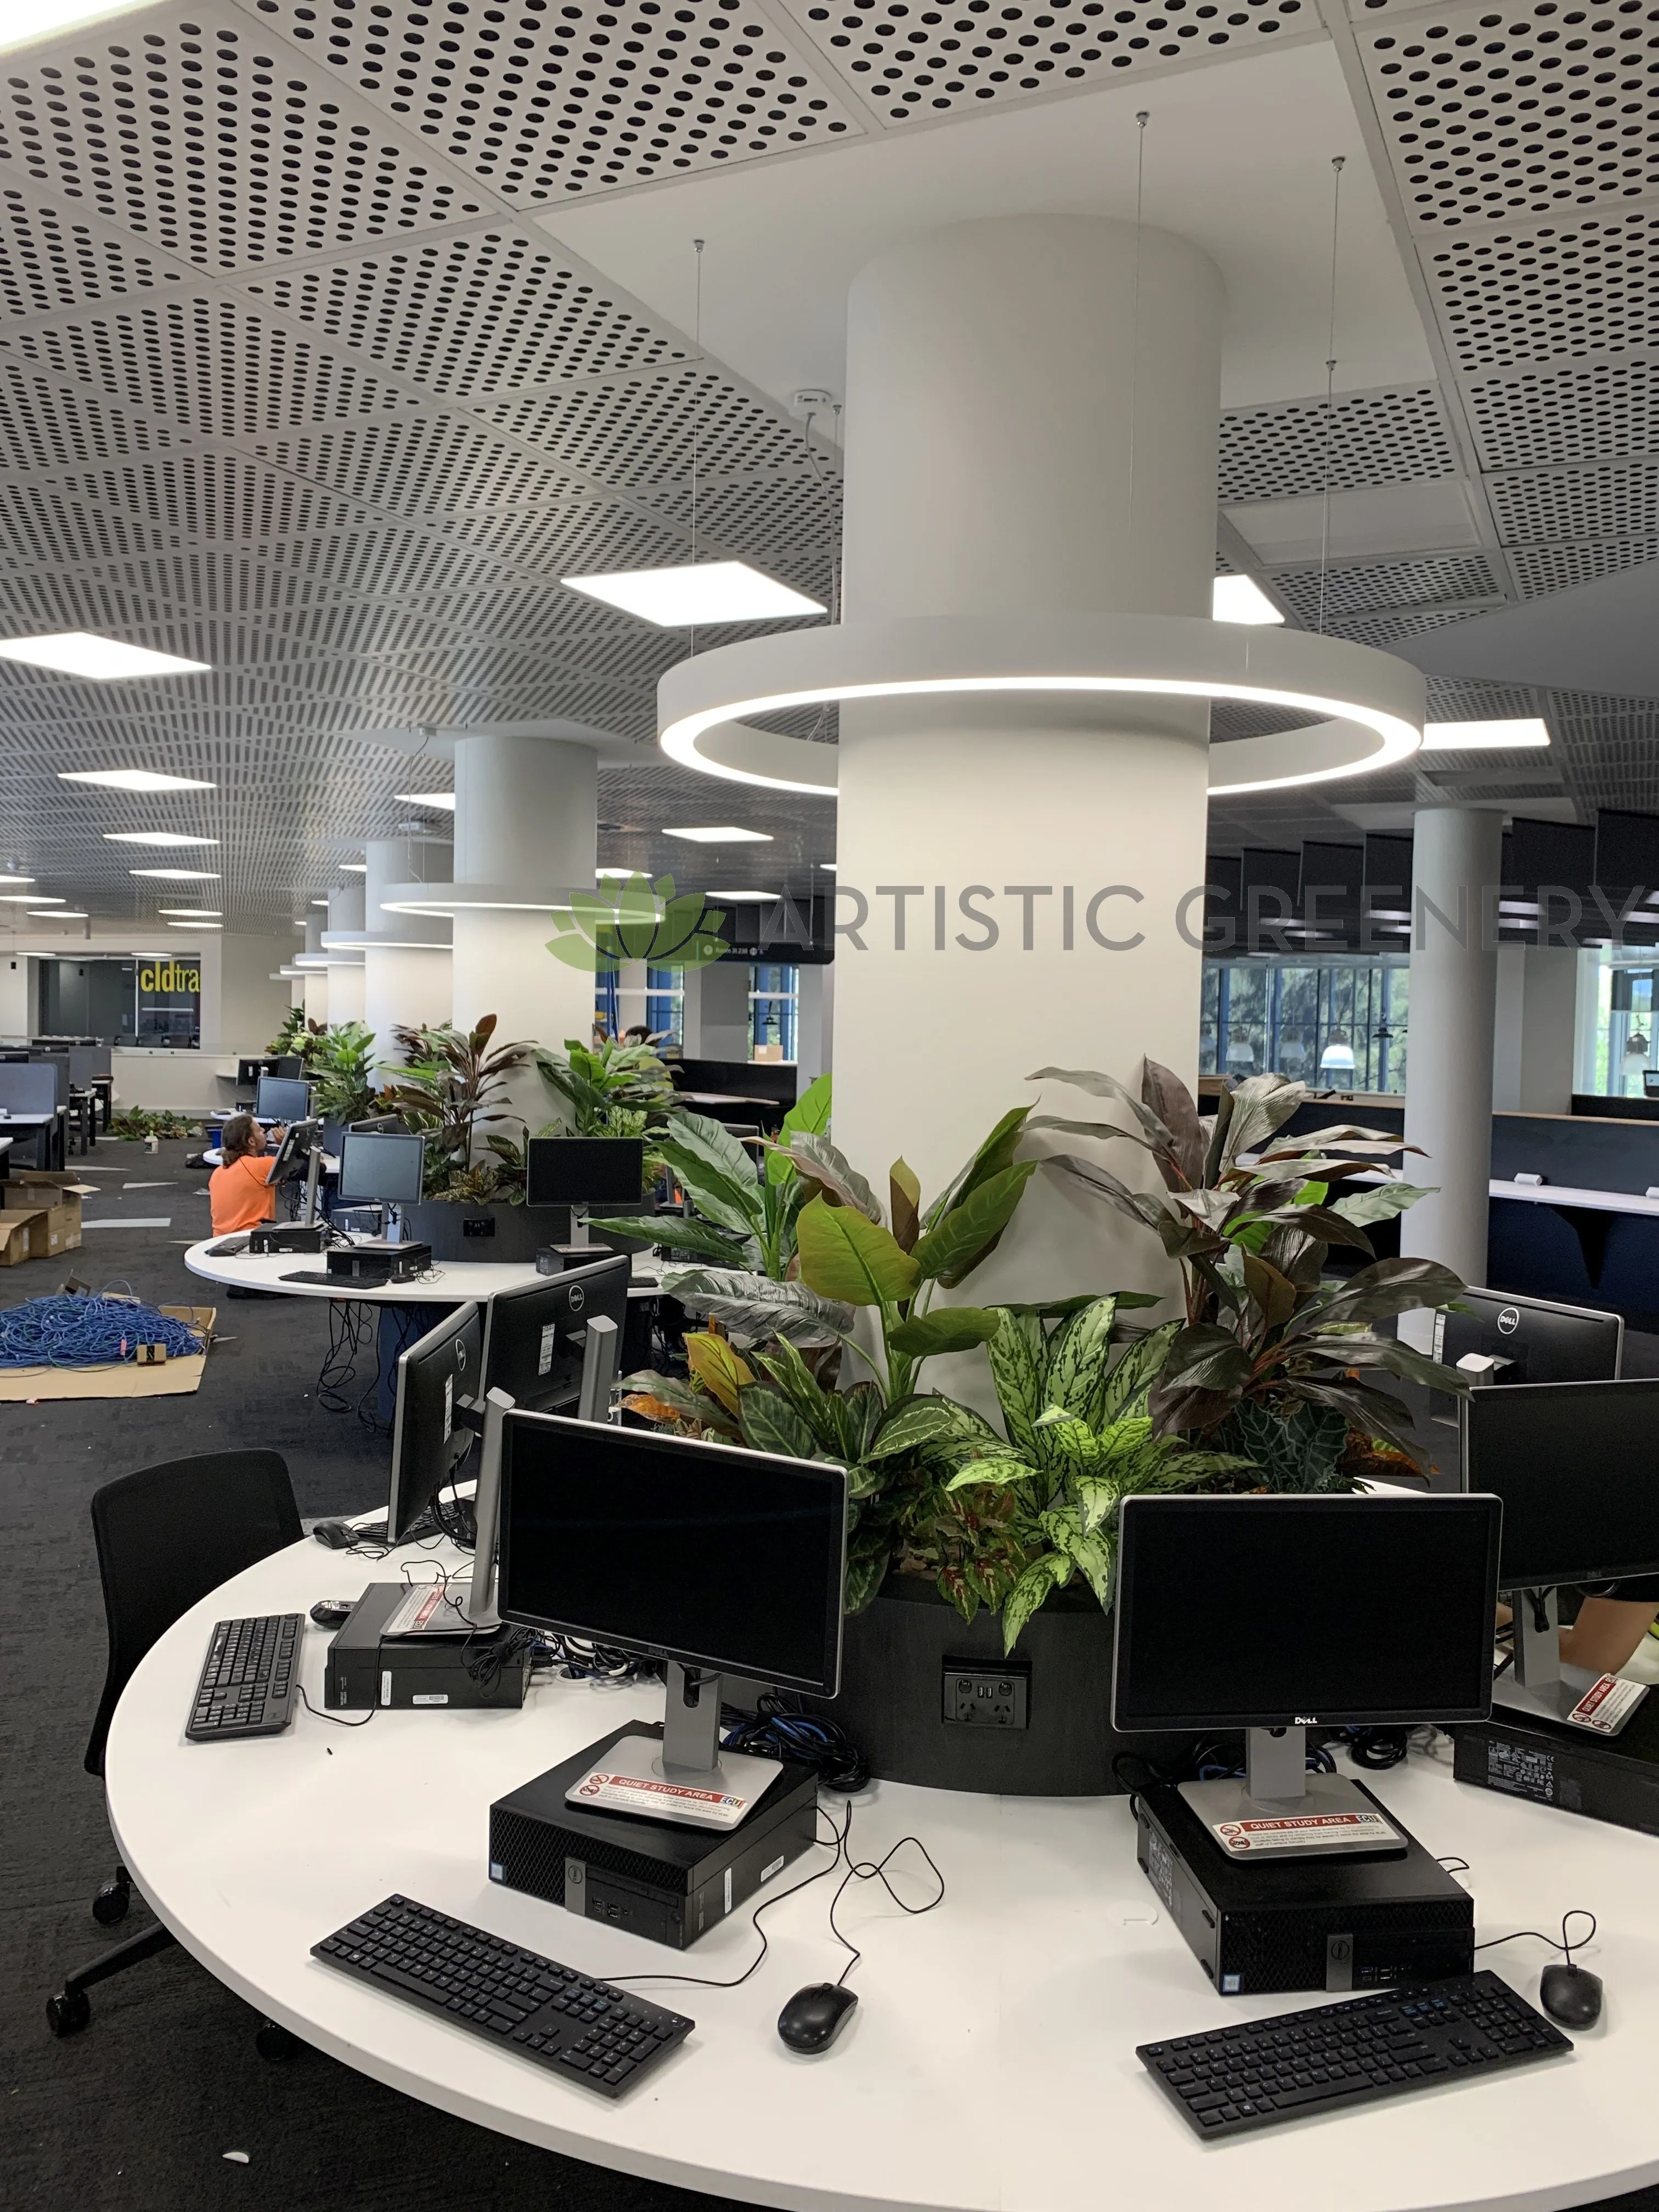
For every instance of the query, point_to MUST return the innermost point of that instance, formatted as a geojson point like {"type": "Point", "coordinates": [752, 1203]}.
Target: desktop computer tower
{"type": "Point", "coordinates": [1567, 1767]}
{"type": "Point", "coordinates": [1309, 1924]}
{"type": "Point", "coordinates": [669, 1884]}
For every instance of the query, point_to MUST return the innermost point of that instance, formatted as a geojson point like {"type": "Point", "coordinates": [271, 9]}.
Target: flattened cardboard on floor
{"type": "Point", "coordinates": [172, 1379]}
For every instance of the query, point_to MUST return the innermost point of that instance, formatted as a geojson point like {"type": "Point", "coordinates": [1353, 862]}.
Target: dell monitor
{"type": "Point", "coordinates": [430, 1436]}
{"type": "Point", "coordinates": [585, 1170]}
{"type": "Point", "coordinates": [536, 1336]}
{"type": "Point", "coordinates": [1510, 1340]}
{"type": "Point", "coordinates": [701, 1555]}
{"type": "Point", "coordinates": [276, 1099]}
{"type": "Point", "coordinates": [1277, 1614]}
{"type": "Point", "coordinates": [376, 1164]}
{"type": "Point", "coordinates": [1576, 1465]}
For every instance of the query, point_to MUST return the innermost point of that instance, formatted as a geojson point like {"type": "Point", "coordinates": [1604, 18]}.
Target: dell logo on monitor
{"type": "Point", "coordinates": [578, 1298]}
{"type": "Point", "coordinates": [1306, 1720]}
{"type": "Point", "coordinates": [1508, 1321]}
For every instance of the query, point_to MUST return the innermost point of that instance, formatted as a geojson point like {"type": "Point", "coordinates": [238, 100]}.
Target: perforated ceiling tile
{"type": "Point", "coordinates": [1386, 584]}
{"type": "Point", "coordinates": [472, 315]}
{"type": "Point", "coordinates": [207, 365]}
{"type": "Point", "coordinates": [1493, 110]}
{"type": "Point", "coordinates": [43, 426]}
{"type": "Point", "coordinates": [207, 138]}
{"type": "Point", "coordinates": [573, 538]}
{"type": "Point", "coordinates": [543, 103]}
{"type": "Point", "coordinates": [48, 260]}
{"type": "Point", "coordinates": [1602, 504]}
{"type": "Point", "coordinates": [1542, 568]}
{"type": "Point", "coordinates": [1602, 412]}
{"type": "Point", "coordinates": [642, 431]}
{"type": "Point", "coordinates": [1387, 629]}
{"type": "Point", "coordinates": [1372, 437]}
{"type": "Point", "coordinates": [1560, 291]}
{"type": "Point", "coordinates": [437, 467]}
{"type": "Point", "coordinates": [788, 523]}
{"type": "Point", "coordinates": [914, 61]}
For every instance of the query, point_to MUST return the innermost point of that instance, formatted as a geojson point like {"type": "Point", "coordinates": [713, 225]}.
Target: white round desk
{"type": "Point", "coordinates": [989, 2066]}
{"type": "Point", "coordinates": [450, 1282]}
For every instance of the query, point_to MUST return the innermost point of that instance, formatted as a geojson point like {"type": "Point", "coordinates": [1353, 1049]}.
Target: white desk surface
{"type": "Point", "coordinates": [1559, 1193]}
{"type": "Point", "coordinates": [989, 2066]}
{"type": "Point", "coordinates": [213, 1158]}
{"type": "Point", "coordinates": [450, 1282]}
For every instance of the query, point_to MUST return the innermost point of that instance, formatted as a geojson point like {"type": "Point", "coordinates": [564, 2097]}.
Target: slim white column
{"type": "Point", "coordinates": [815, 1021]}
{"type": "Point", "coordinates": [1456, 865]}
{"type": "Point", "coordinates": [316, 984]}
{"type": "Point", "coordinates": [1534, 1035]}
{"type": "Point", "coordinates": [1031, 415]}
{"type": "Point", "coordinates": [406, 957]}
{"type": "Point", "coordinates": [345, 974]}
{"type": "Point", "coordinates": [525, 832]}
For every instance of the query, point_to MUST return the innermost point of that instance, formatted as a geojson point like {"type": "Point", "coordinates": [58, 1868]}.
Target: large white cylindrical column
{"type": "Point", "coordinates": [526, 811]}
{"type": "Point", "coordinates": [406, 957]}
{"type": "Point", "coordinates": [1456, 866]}
{"type": "Point", "coordinates": [1032, 411]}
{"type": "Point", "coordinates": [346, 968]}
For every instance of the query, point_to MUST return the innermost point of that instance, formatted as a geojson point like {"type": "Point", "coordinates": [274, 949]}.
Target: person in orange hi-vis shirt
{"type": "Point", "coordinates": [240, 1193]}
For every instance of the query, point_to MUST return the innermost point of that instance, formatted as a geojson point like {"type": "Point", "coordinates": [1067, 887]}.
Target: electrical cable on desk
{"type": "Point", "coordinates": [876, 1870]}
{"type": "Point", "coordinates": [777, 1730]}
{"type": "Point", "coordinates": [320, 1712]}
{"type": "Point", "coordinates": [1556, 1943]}
{"type": "Point", "coordinates": [576, 1659]}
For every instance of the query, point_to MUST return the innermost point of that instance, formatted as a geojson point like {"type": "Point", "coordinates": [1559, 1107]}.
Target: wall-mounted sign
{"type": "Point", "coordinates": [170, 975]}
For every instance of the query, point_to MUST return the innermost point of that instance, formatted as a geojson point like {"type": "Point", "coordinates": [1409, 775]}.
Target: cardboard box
{"type": "Point", "coordinates": [22, 1235]}
{"type": "Point", "coordinates": [50, 1192]}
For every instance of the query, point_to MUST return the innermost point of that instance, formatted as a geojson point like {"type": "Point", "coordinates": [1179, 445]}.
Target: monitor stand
{"type": "Point", "coordinates": [1540, 1685]}
{"type": "Point", "coordinates": [685, 1778]}
{"type": "Point", "coordinates": [1281, 1811]}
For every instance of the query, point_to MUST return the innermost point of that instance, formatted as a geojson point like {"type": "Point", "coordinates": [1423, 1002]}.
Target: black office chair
{"type": "Point", "coordinates": [166, 1536]}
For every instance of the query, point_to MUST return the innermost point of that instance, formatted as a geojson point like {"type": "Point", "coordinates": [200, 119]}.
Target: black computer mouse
{"type": "Point", "coordinates": [1570, 1994]}
{"type": "Point", "coordinates": [333, 1612]}
{"type": "Point", "coordinates": [813, 2017]}
{"type": "Point", "coordinates": [338, 1535]}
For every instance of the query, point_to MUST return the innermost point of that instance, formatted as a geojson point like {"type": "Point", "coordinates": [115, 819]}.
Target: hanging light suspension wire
{"type": "Point", "coordinates": [1141, 120]}
{"type": "Point", "coordinates": [696, 406]}
{"type": "Point", "coordinates": [1337, 164]}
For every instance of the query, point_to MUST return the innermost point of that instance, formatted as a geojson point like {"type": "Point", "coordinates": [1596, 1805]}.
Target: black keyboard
{"type": "Point", "coordinates": [310, 1275]}
{"type": "Point", "coordinates": [228, 1248]}
{"type": "Point", "coordinates": [575, 2027]}
{"type": "Point", "coordinates": [249, 1684]}
{"type": "Point", "coordinates": [1254, 2075]}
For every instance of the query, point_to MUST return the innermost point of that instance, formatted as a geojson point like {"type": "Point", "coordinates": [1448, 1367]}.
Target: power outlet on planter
{"type": "Point", "coordinates": [978, 1696]}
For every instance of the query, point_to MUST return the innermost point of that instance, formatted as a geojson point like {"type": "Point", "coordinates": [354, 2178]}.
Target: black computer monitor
{"type": "Point", "coordinates": [699, 1554]}
{"type": "Point", "coordinates": [1534, 1340]}
{"type": "Point", "coordinates": [380, 1125]}
{"type": "Point", "coordinates": [429, 1439]}
{"type": "Point", "coordinates": [294, 1153]}
{"type": "Point", "coordinates": [534, 1336]}
{"type": "Point", "coordinates": [376, 1164]}
{"type": "Point", "coordinates": [585, 1170]}
{"type": "Point", "coordinates": [276, 1099]}
{"type": "Point", "coordinates": [1577, 1467]}
{"type": "Point", "coordinates": [1240, 1612]}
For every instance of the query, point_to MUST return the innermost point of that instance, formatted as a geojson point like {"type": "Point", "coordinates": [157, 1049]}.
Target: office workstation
{"type": "Point", "coordinates": [831, 887]}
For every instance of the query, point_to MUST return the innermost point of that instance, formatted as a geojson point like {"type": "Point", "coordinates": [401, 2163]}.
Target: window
{"type": "Point", "coordinates": [773, 995]}
{"type": "Point", "coordinates": [665, 999]}
{"type": "Point", "coordinates": [1334, 1024]}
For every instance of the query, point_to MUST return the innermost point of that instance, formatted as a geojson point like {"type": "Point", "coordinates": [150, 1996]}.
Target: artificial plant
{"type": "Point", "coordinates": [617, 1091]}
{"type": "Point", "coordinates": [1273, 1359]}
{"type": "Point", "coordinates": [294, 1036]}
{"type": "Point", "coordinates": [743, 1209]}
{"type": "Point", "coordinates": [453, 1085]}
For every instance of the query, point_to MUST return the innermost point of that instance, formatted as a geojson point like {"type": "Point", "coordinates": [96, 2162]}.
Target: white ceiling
{"type": "Point", "coordinates": [330, 339]}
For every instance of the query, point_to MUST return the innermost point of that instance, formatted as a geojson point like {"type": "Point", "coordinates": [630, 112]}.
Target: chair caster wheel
{"type": "Point", "coordinates": [276, 2044]}
{"type": "Point", "coordinates": [111, 1903]}
{"type": "Point", "coordinates": [69, 2012]}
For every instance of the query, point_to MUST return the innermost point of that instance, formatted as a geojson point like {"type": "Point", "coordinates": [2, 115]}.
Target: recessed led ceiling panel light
{"type": "Point", "coordinates": [743, 898]}
{"type": "Point", "coordinates": [152, 837]}
{"type": "Point", "coordinates": [17, 879]}
{"type": "Point", "coordinates": [77, 652]}
{"type": "Point", "coordinates": [133, 779]}
{"type": "Point", "coordinates": [683, 597]}
{"type": "Point", "coordinates": [354, 867]}
{"type": "Point", "coordinates": [443, 800]}
{"type": "Point", "coordinates": [57, 914]}
{"type": "Point", "coordinates": [27, 898]}
{"type": "Point", "coordinates": [319, 903]}
{"type": "Point", "coordinates": [177, 875]}
{"type": "Point", "coordinates": [828, 864]}
{"type": "Point", "coordinates": [195, 925]}
{"type": "Point", "coordinates": [194, 913]}
{"type": "Point", "coordinates": [728, 835]}
{"type": "Point", "coordinates": [1524, 733]}
{"type": "Point", "coordinates": [22, 22]}
{"type": "Point", "coordinates": [1239, 599]}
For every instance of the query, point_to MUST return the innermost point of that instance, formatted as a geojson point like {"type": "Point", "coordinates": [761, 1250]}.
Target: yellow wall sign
{"type": "Point", "coordinates": [170, 975]}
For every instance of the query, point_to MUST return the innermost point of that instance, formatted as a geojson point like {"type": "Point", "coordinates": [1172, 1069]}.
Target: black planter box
{"type": "Point", "coordinates": [894, 1667]}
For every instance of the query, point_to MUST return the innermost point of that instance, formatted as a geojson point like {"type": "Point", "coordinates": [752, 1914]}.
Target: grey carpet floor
{"type": "Point", "coordinates": [137, 2114]}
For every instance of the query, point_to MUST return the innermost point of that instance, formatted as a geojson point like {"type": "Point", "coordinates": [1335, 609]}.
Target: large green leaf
{"type": "Point", "coordinates": [994, 1470]}
{"type": "Point", "coordinates": [864, 1577]}
{"type": "Point", "coordinates": [1078, 1357]}
{"type": "Point", "coordinates": [970, 1232]}
{"type": "Point", "coordinates": [822, 1163]}
{"type": "Point", "coordinates": [808, 1116]}
{"type": "Point", "coordinates": [1066, 1440]}
{"type": "Point", "coordinates": [1140, 1206]}
{"type": "Point", "coordinates": [752, 1308]}
{"type": "Point", "coordinates": [904, 1203]}
{"type": "Point", "coordinates": [845, 1255]}
{"type": "Point", "coordinates": [733, 1205]}
{"type": "Point", "coordinates": [770, 1424]}
{"type": "Point", "coordinates": [950, 1328]}
{"type": "Point", "coordinates": [675, 1233]}
{"type": "Point", "coordinates": [995, 1154]}
{"type": "Point", "coordinates": [1206, 1357]}
{"type": "Point", "coordinates": [1051, 1572]}
{"type": "Point", "coordinates": [726, 1154]}
{"type": "Point", "coordinates": [1134, 1374]}
{"type": "Point", "coordinates": [1019, 1366]}
{"type": "Point", "coordinates": [1089, 1550]}
{"type": "Point", "coordinates": [1381, 1201]}
{"type": "Point", "coordinates": [802, 1388]}
{"type": "Point", "coordinates": [1153, 1132]}
{"type": "Point", "coordinates": [1387, 1286]}
{"type": "Point", "coordinates": [914, 1422]}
